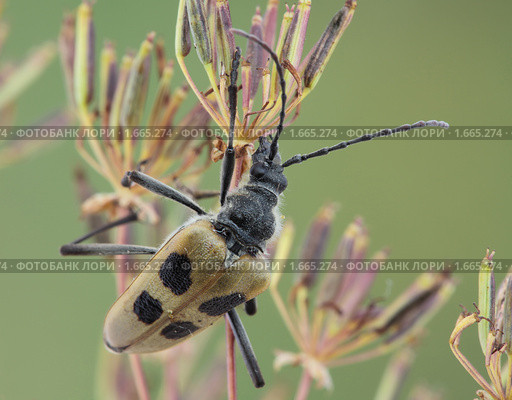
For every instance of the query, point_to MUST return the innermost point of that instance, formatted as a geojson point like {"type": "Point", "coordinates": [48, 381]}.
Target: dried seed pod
{"type": "Point", "coordinates": [122, 80]}
{"type": "Point", "coordinates": [411, 310]}
{"type": "Point", "coordinates": [200, 30]}
{"type": "Point", "coordinates": [186, 42]}
{"type": "Point", "coordinates": [316, 241]}
{"type": "Point", "coordinates": [325, 46]}
{"type": "Point", "coordinates": [270, 23]}
{"type": "Point", "coordinates": [108, 80]}
{"type": "Point", "coordinates": [225, 39]}
{"type": "Point", "coordinates": [486, 298]}
{"type": "Point", "coordinates": [137, 85]}
{"type": "Point", "coordinates": [255, 55]}
{"type": "Point", "coordinates": [84, 56]}
{"type": "Point", "coordinates": [67, 52]}
{"type": "Point", "coordinates": [506, 325]}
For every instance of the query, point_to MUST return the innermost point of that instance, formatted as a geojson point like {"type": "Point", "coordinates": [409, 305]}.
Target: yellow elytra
{"type": "Point", "coordinates": [184, 288]}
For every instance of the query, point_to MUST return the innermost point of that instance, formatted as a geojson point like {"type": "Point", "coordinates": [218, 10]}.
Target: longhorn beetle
{"type": "Point", "coordinates": [182, 297]}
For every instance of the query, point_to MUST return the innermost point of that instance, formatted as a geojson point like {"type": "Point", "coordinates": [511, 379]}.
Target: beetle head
{"type": "Point", "coordinates": [265, 172]}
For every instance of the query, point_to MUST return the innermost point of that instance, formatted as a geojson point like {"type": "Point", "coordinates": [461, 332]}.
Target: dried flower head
{"type": "Point", "coordinates": [208, 23]}
{"type": "Point", "coordinates": [494, 319]}
{"type": "Point", "coordinates": [119, 105]}
{"type": "Point", "coordinates": [337, 324]}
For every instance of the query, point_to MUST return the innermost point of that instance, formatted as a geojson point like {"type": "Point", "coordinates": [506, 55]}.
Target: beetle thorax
{"type": "Point", "coordinates": [249, 213]}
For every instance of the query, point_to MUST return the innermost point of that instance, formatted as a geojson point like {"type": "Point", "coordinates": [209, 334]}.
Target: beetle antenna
{"type": "Point", "coordinates": [282, 115]}
{"type": "Point", "coordinates": [228, 164]}
{"type": "Point", "coordinates": [298, 158]}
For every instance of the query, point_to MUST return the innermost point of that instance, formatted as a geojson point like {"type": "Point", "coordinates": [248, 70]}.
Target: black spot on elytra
{"type": "Point", "coordinates": [147, 308]}
{"type": "Point", "coordinates": [178, 330]}
{"type": "Point", "coordinates": [221, 305]}
{"type": "Point", "coordinates": [175, 273]}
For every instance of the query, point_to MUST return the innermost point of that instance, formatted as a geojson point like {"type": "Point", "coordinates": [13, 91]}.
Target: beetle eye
{"type": "Point", "coordinates": [258, 170]}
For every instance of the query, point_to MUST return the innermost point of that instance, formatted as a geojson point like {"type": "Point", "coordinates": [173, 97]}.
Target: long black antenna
{"type": "Point", "coordinates": [282, 115]}
{"type": "Point", "coordinates": [297, 159]}
{"type": "Point", "coordinates": [228, 164]}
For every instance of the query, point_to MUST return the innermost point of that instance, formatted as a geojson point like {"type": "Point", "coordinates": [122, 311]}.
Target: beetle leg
{"type": "Point", "coordinates": [246, 349]}
{"type": "Point", "coordinates": [251, 307]}
{"type": "Point", "coordinates": [228, 163]}
{"type": "Point", "coordinates": [125, 220]}
{"type": "Point", "coordinates": [164, 190]}
{"type": "Point", "coordinates": [104, 249]}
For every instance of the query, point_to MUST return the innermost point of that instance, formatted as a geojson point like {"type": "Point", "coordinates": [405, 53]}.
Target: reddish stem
{"type": "Point", "coordinates": [138, 375]}
{"type": "Point", "coordinates": [124, 237]}
{"type": "Point", "coordinates": [230, 357]}
{"type": "Point", "coordinates": [304, 386]}
{"type": "Point", "coordinates": [230, 338]}
{"type": "Point", "coordinates": [171, 378]}
{"type": "Point", "coordinates": [237, 173]}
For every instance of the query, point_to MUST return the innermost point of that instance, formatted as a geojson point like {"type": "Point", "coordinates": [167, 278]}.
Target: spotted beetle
{"type": "Point", "coordinates": [181, 296]}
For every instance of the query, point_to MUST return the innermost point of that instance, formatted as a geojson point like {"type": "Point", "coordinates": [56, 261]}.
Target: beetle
{"type": "Point", "coordinates": [178, 294]}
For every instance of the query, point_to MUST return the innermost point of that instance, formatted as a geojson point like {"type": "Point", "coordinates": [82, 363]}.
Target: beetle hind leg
{"type": "Point", "coordinates": [246, 349]}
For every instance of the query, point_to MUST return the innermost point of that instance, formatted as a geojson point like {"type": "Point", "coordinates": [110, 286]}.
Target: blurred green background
{"type": "Point", "coordinates": [399, 61]}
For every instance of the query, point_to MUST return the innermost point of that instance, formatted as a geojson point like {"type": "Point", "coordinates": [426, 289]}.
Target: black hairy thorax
{"type": "Point", "coordinates": [248, 217]}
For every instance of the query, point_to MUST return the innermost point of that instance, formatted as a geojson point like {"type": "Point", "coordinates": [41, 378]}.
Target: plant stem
{"type": "Point", "coordinates": [304, 386]}
{"type": "Point", "coordinates": [139, 378]}
{"type": "Point", "coordinates": [171, 378]}
{"type": "Point", "coordinates": [124, 237]}
{"type": "Point", "coordinates": [508, 387]}
{"type": "Point", "coordinates": [230, 337]}
{"type": "Point", "coordinates": [230, 358]}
